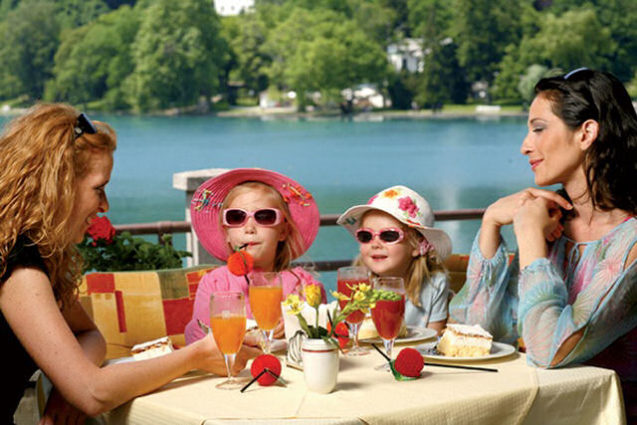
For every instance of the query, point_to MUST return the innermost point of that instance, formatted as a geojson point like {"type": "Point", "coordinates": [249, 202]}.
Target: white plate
{"type": "Point", "coordinates": [498, 349]}
{"type": "Point", "coordinates": [414, 334]}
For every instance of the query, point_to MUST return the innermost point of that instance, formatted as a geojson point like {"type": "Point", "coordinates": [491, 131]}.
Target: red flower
{"type": "Point", "coordinates": [407, 204]}
{"type": "Point", "coordinates": [409, 362]}
{"type": "Point", "coordinates": [101, 229]}
{"type": "Point", "coordinates": [240, 263]}
{"type": "Point", "coordinates": [266, 361]}
{"type": "Point", "coordinates": [341, 332]}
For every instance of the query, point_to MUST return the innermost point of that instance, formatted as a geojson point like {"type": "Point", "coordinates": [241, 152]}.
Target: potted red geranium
{"type": "Point", "coordinates": [103, 249]}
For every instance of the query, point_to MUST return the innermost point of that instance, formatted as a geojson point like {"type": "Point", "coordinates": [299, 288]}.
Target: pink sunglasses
{"type": "Point", "coordinates": [265, 217]}
{"type": "Point", "coordinates": [389, 235]}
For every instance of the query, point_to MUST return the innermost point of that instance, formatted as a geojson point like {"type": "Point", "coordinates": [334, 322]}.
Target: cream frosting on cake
{"type": "Point", "coordinates": [155, 348]}
{"type": "Point", "coordinates": [465, 341]}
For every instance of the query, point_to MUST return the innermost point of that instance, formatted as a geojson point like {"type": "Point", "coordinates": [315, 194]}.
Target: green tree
{"type": "Point", "coordinates": [94, 60]}
{"type": "Point", "coordinates": [574, 39]}
{"type": "Point", "coordinates": [178, 55]}
{"type": "Point", "coordinates": [482, 29]}
{"type": "Point", "coordinates": [442, 78]}
{"type": "Point", "coordinates": [75, 13]}
{"type": "Point", "coordinates": [30, 37]}
{"type": "Point", "coordinates": [322, 50]}
{"type": "Point", "coordinates": [246, 35]}
{"type": "Point", "coordinates": [6, 6]}
{"type": "Point", "coordinates": [619, 17]}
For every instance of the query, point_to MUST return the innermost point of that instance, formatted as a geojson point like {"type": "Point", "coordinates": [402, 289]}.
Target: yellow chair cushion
{"type": "Point", "coordinates": [134, 307]}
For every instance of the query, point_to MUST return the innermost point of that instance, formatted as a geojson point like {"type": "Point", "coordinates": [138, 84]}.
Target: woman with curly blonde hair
{"type": "Point", "coordinates": [56, 164]}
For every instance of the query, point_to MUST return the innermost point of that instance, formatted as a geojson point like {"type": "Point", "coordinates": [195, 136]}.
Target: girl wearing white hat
{"type": "Point", "coordinates": [397, 238]}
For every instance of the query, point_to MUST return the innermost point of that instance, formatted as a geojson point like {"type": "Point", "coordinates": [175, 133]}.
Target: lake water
{"type": "Point", "coordinates": [455, 163]}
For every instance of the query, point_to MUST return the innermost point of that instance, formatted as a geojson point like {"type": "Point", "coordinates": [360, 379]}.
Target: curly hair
{"type": "Point", "coordinates": [609, 163]}
{"type": "Point", "coordinates": [293, 245]}
{"type": "Point", "coordinates": [42, 160]}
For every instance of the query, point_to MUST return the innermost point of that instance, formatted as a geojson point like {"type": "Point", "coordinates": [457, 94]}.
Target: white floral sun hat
{"type": "Point", "coordinates": [406, 206]}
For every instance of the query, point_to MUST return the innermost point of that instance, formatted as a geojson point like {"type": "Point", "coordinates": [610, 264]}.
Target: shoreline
{"type": "Point", "coordinates": [292, 113]}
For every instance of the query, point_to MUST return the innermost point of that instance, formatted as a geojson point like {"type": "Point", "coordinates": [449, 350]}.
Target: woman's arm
{"type": "Point", "coordinates": [557, 333]}
{"type": "Point", "coordinates": [29, 306]}
{"type": "Point", "coordinates": [58, 410]}
{"type": "Point", "coordinates": [89, 337]}
{"type": "Point", "coordinates": [488, 297]}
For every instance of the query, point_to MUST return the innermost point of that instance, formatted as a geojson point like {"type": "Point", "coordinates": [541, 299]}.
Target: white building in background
{"type": "Point", "coordinates": [233, 7]}
{"type": "Point", "coordinates": [407, 54]}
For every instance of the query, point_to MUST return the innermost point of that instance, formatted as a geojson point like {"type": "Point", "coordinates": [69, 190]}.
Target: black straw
{"type": "Point", "coordinates": [254, 379]}
{"type": "Point", "coordinates": [265, 370]}
{"type": "Point", "coordinates": [381, 353]}
{"type": "Point", "coordinates": [485, 369]}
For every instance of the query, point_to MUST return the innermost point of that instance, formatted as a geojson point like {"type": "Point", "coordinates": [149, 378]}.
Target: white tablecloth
{"type": "Point", "coordinates": [517, 394]}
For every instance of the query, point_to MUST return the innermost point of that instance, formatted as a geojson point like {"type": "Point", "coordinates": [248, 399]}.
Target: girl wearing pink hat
{"type": "Point", "coordinates": [268, 214]}
{"type": "Point", "coordinates": [397, 238]}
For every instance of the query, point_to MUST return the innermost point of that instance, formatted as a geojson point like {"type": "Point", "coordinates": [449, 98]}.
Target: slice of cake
{"type": "Point", "coordinates": [465, 341]}
{"type": "Point", "coordinates": [155, 348]}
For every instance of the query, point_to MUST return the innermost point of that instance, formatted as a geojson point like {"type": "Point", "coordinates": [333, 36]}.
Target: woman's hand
{"type": "Point", "coordinates": [538, 215]}
{"type": "Point", "coordinates": [279, 330]}
{"type": "Point", "coordinates": [214, 362]}
{"type": "Point", "coordinates": [504, 210]}
{"type": "Point", "coordinates": [535, 222]}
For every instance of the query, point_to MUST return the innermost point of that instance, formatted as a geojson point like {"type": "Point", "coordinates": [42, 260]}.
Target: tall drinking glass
{"type": "Point", "coordinates": [266, 294]}
{"type": "Point", "coordinates": [346, 279]}
{"type": "Point", "coordinates": [228, 323]}
{"type": "Point", "coordinates": [388, 315]}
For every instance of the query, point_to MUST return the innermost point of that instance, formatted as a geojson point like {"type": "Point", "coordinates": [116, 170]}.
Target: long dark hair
{"type": "Point", "coordinates": [610, 162]}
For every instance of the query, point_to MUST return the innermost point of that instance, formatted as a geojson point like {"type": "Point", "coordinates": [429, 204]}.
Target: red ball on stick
{"type": "Point", "coordinates": [266, 361]}
{"type": "Point", "coordinates": [409, 362]}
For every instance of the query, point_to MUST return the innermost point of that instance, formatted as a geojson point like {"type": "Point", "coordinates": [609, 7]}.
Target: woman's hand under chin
{"type": "Point", "coordinates": [538, 216]}
{"type": "Point", "coordinates": [535, 223]}
{"type": "Point", "coordinates": [505, 210]}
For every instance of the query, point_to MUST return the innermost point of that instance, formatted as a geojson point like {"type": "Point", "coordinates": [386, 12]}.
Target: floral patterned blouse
{"type": "Point", "coordinates": [593, 290]}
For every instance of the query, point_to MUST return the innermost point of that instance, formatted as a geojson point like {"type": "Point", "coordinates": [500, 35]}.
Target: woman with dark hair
{"type": "Point", "coordinates": [571, 292]}
{"type": "Point", "coordinates": [56, 164]}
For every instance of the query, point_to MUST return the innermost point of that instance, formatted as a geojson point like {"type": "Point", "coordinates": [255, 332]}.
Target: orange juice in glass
{"type": "Point", "coordinates": [228, 323]}
{"type": "Point", "coordinates": [228, 332]}
{"type": "Point", "coordinates": [266, 294]}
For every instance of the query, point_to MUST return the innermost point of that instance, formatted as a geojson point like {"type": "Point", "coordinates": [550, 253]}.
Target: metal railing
{"type": "Point", "coordinates": [161, 228]}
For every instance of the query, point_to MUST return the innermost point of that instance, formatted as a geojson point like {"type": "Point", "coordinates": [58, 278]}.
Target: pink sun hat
{"type": "Point", "coordinates": [406, 206]}
{"type": "Point", "coordinates": [206, 204]}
